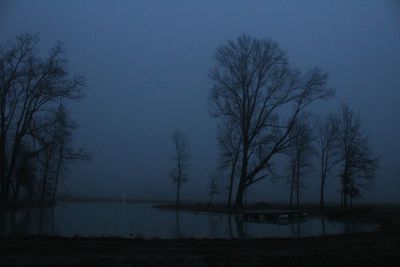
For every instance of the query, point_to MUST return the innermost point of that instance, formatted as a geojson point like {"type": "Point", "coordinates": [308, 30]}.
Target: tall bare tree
{"type": "Point", "coordinates": [327, 151]}
{"type": "Point", "coordinates": [253, 83]}
{"type": "Point", "coordinates": [30, 88]}
{"type": "Point", "coordinates": [179, 172]}
{"type": "Point", "coordinates": [358, 162]}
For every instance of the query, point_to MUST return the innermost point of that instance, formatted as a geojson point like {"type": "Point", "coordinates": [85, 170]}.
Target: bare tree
{"type": "Point", "coordinates": [253, 83]}
{"type": "Point", "coordinates": [179, 172]}
{"type": "Point", "coordinates": [327, 151]}
{"type": "Point", "coordinates": [30, 87]}
{"type": "Point", "coordinates": [358, 163]}
{"type": "Point", "coordinates": [300, 151]}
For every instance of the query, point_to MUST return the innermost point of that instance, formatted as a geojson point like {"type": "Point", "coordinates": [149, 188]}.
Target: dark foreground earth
{"type": "Point", "coordinates": [372, 249]}
{"type": "Point", "coordinates": [380, 248]}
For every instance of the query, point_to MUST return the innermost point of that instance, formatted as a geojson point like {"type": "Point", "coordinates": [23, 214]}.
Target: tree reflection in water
{"type": "Point", "coordinates": [143, 221]}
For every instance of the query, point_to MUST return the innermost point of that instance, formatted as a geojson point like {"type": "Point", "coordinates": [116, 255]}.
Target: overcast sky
{"type": "Point", "coordinates": [146, 65]}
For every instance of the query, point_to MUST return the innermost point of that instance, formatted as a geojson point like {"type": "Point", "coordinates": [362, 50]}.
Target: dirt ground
{"type": "Point", "coordinates": [369, 249]}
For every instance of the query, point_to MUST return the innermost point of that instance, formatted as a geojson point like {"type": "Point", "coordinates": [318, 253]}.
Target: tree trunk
{"type": "Point", "coordinates": [323, 175]}
{"type": "Point", "coordinates": [44, 181]}
{"type": "Point", "coordinates": [231, 177]}
{"type": "Point", "coordinates": [321, 197]}
{"type": "Point", "coordinates": [292, 187]}
{"type": "Point", "coordinates": [11, 167]}
{"type": "Point", "coordinates": [58, 170]}
{"type": "Point", "coordinates": [2, 166]}
{"type": "Point", "coordinates": [230, 226]}
{"type": "Point", "coordinates": [243, 175]}
{"type": "Point", "coordinates": [229, 202]}
{"type": "Point", "coordinates": [298, 183]}
{"type": "Point", "coordinates": [178, 189]}
{"type": "Point", "coordinates": [239, 195]}
{"type": "Point", "coordinates": [297, 196]}
{"type": "Point", "coordinates": [351, 195]}
{"type": "Point", "coordinates": [346, 177]}
{"type": "Point", "coordinates": [2, 174]}
{"type": "Point", "coordinates": [178, 234]}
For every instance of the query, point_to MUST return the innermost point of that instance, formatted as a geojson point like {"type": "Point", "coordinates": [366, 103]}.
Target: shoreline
{"type": "Point", "coordinates": [379, 248]}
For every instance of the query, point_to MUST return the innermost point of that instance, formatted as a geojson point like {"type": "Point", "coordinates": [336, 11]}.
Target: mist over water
{"type": "Point", "coordinates": [199, 133]}
{"type": "Point", "coordinates": [147, 63]}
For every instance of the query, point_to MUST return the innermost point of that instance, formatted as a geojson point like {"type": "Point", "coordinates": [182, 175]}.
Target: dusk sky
{"type": "Point", "coordinates": [146, 66]}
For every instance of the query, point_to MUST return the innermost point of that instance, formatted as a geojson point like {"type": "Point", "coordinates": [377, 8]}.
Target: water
{"type": "Point", "coordinates": [141, 220]}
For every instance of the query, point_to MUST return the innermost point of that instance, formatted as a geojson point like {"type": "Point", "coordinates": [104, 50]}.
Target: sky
{"type": "Point", "coordinates": [146, 66]}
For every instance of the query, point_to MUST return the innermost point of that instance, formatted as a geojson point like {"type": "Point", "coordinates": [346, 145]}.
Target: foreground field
{"type": "Point", "coordinates": [372, 249]}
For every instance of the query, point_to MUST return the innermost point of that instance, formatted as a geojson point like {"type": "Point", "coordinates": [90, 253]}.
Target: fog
{"type": "Point", "coordinates": [146, 66]}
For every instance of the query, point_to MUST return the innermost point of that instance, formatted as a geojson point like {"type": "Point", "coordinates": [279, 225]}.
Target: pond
{"type": "Point", "coordinates": [141, 220]}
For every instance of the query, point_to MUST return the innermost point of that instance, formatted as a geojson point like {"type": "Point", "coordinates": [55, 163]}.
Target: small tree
{"type": "Point", "coordinates": [358, 163]}
{"type": "Point", "coordinates": [213, 186]}
{"type": "Point", "coordinates": [179, 172]}
{"type": "Point", "coordinates": [327, 151]}
{"type": "Point", "coordinates": [299, 152]}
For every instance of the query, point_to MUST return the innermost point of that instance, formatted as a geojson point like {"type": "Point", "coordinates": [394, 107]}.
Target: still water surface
{"type": "Point", "coordinates": [131, 220]}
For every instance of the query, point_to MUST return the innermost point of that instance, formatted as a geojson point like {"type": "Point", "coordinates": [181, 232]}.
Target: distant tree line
{"type": "Point", "coordinates": [35, 128]}
{"type": "Point", "coordinates": [262, 102]}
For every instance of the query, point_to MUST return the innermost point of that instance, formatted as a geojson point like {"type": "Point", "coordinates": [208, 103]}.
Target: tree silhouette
{"type": "Point", "coordinates": [299, 152]}
{"type": "Point", "coordinates": [253, 83]}
{"type": "Point", "coordinates": [30, 88]}
{"type": "Point", "coordinates": [179, 172]}
{"type": "Point", "coordinates": [358, 165]}
{"type": "Point", "coordinates": [213, 186]}
{"type": "Point", "coordinates": [327, 151]}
